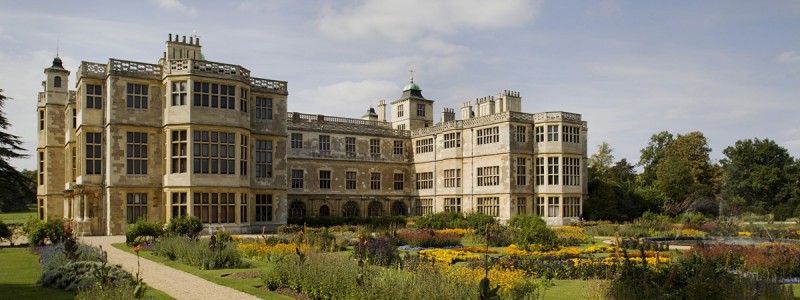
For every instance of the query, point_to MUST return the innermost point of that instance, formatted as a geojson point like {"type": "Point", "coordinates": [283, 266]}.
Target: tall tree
{"type": "Point", "coordinates": [652, 155]}
{"type": "Point", "coordinates": [600, 162]}
{"type": "Point", "coordinates": [686, 175]}
{"type": "Point", "coordinates": [760, 176]}
{"type": "Point", "coordinates": [11, 180]}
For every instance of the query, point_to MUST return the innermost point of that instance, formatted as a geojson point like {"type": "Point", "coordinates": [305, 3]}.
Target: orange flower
{"type": "Point", "coordinates": [137, 249]}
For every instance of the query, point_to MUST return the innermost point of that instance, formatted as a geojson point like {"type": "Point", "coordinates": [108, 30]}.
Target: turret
{"type": "Point", "coordinates": [179, 48]}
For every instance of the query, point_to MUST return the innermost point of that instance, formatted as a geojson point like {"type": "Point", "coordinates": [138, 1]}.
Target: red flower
{"type": "Point", "coordinates": [137, 248]}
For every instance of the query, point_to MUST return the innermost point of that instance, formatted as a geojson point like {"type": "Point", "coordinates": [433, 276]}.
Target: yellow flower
{"type": "Point", "coordinates": [745, 233]}
{"type": "Point", "coordinates": [446, 256]}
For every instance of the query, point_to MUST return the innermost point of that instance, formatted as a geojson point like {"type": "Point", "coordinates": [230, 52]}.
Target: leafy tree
{"type": "Point", "coordinates": [760, 176]}
{"type": "Point", "coordinates": [686, 175]}
{"type": "Point", "coordinates": [601, 161]}
{"type": "Point", "coordinates": [611, 188]}
{"type": "Point", "coordinates": [652, 155]}
{"type": "Point", "coordinates": [13, 185]}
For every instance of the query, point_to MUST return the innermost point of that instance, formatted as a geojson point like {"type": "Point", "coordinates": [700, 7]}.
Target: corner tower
{"type": "Point", "coordinates": [412, 110]}
{"type": "Point", "coordinates": [50, 150]}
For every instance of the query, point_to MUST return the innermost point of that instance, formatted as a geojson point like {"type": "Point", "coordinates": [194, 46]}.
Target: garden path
{"type": "Point", "coordinates": [176, 283]}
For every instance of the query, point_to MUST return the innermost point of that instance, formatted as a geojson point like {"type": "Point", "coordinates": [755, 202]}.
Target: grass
{"type": "Point", "coordinates": [250, 285]}
{"type": "Point", "coordinates": [567, 290]}
{"type": "Point", "coordinates": [18, 274]}
{"type": "Point", "coordinates": [19, 217]}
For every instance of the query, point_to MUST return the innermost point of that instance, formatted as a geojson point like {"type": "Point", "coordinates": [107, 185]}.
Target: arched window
{"type": "Point", "coordinates": [57, 81]}
{"type": "Point", "coordinates": [350, 209]}
{"type": "Point", "coordinates": [375, 209]}
{"type": "Point", "coordinates": [324, 211]}
{"type": "Point", "coordinates": [398, 209]}
{"type": "Point", "coordinates": [297, 210]}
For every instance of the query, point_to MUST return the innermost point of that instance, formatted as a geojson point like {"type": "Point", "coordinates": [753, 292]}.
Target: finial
{"type": "Point", "coordinates": [57, 48]}
{"type": "Point", "coordinates": [411, 71]}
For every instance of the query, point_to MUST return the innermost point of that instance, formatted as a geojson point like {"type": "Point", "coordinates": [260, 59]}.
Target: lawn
{"type": "Point", "coordinates": [249, 285]}
{"type": "Point", "coordinates": [19, 217]}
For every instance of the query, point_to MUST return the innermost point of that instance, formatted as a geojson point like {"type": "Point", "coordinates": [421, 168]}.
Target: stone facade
{"type": "Point", "coordinates": [187, 136]}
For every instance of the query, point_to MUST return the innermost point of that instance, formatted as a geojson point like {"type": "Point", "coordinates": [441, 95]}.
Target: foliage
{"type": "Point", "coordinates": [381, 251]}
{"type": "Point", "coordinates": [571, 236]}
{"type": "Point", "coordinates": [337, 277]}
{"type": "Point", "coordinates": [445, 220]}
{"type": "Point", "coordinates": [54, 255]}
{"type": "Point", "coordinates": [446, 256]}
{"type": "Point", "coordinates": [267, 252]}
{"type": "Point", "coordinates": [600, 162]}
{"type": "Point", "coordinates": [74, 276]}
{"type": "Point", "coordinates": [143, 231]}
{"type": "Point", "coordinates": [321, 239]}
{"type": "Point", "coordinates": [532, 233]}
{"type": "Point", "coordinates": [652, 154]}
{"type": "Point", "coordinates": [189, 226]}
{"type": "Point", "coordinates": [115, 291]}
{"type": "Point", "coordinates": [41, 232]}
{"type": "Point", "coordinates": [427, 238]}
{"type": "Point", "coordinates": [15, 191]}
{"type": "Point", "coordinates": [5, 232]}
{"type": "Point", "coordinates": [200, 253]}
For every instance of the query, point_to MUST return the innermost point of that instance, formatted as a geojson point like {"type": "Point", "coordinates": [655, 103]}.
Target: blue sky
{"type": "Point", "coordinates": [730, 69]}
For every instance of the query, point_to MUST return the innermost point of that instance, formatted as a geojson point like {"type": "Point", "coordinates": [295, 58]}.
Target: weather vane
{"type": "Point", "coordinates": [411, 71]}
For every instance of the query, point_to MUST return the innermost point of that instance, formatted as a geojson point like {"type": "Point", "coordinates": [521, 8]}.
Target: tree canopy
{"type": "Point", "coordinates": [14, 186]}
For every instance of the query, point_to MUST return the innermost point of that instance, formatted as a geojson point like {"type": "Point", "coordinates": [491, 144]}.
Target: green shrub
{"type": "Point", "coordinates": [5, 232]}
{"type": "Point", "coordinates": [190, 226]}
{"type": "Point", "coordinates": [40, 232]}
{"type": "Point", "coordinates": [322, 240]}
{"type": "Point", "coordinates": [54, 255]}
{"type": "Point", "coordinates": [115, 291]}
{"type": "Point", "coordinates": [200, 253]}
{"type": "Point", "coordinates": [143, 231]}
{"type": "Point", "coordinates": [443, 220]}
{"type": "Point", "coordinates": [427, 238]}
{"type": "Point", "coordinates": [532, 233]}
{"type": "Point", "coordinates": [74, 276]}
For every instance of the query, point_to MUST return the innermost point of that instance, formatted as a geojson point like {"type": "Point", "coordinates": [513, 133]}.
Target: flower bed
{"type": "Point", "coordinates": [446, 256]}
{"type": "Point", "coordinates": [266, 252]}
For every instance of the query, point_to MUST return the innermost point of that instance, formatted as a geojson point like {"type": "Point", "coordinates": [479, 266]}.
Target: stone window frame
{"type": "Point", "coordinates": [375, 147]}
{"type": "Point", "coordinates": [424, 145]}
{"type": "Point", "coordinates": [540, 206]}
{"type": "Point", "coordinates": [263, 208]}
{"type": "Point", "coordinates": [539, 135]}
{"type": "Point", "coordinates": [264, 154]}
{"type": "Point", "coordinates": [539, 168]}
{"type": "Point", "coordinates": [452, 178]}
{"type": "Point", "coordinates": [572, 207]}
{"type": "Point", "coordinates": [297, 178]}
{"type": "Point", "coordinates": [94, 96]}
{"type": "Point", "coordinates": [399, 147]}
{"type": "Point", "coordinates": [424, 180]}
{"type": "Point", "coordinates": [488, 176]}
{"type": "Point", "coordinates": [350, 183]}
{"type": "Point", "coordinates": [375, 181]}
{"type": "Point", "coordinates": [325, 179]}
{"type": "Point", "coordinates": [521, 134]}
{"type": "Point", "coordinates": [244, 150]}
{"type": "Point", "coordinates": [263, 110]}
{"type": "Point", "coordinates": [214, 208]}
{"type": "Point", "coordinates": [452, 140]}
{"type": "Point", "coordinates": [244, 99]}
{"type": "Point", "coordinates": [571, 134]}
{"type": "Point", "coordinates": [179, 204]}
{"type": "Point", "coordinates": [522, 171]}
{"type": "Point", "coordinates": [552, 133]}
{"type": "Point", "coordinates": [488, 206]}
{"type": "Point", "coordinates": [296, 140]}
{"type": "Point", "coordinates": [420, 110]}
{"type": "Point", "coordinates": [243, 213]}
{"type": "Point", "coordinates": [213, 95]}
{"type": "Point", "coordinates": [452, 204]}
{"type": "Point", "coordinates": [179, 92]}
{"type": "Point", "coordinates": [400, 110]}
{"type": "Point", "coordinates": [488, 135]}
{"type": "Point", "coordinates": [324, 143]}
{"type": "Point", "coordinates": [137, 96]}
{"type": "Point", "coordinates": [93, 142]}
{"type": "Point", "coordinates": [221, 161]}
{"type": "Point", "coordinates": [135, 207]}
{"type": "Point", "coordinates": [41, 167]}
{"type": "Point", "coordinates": [571, 171]}
{"type": "Point", "coordinates": [399, 181]}
{"type": "Point", "coordinates": [41, 120]}
{"type": "Point", "coordinates": [350, 145]}
{"type": "Point", "coordinates": [179, 151]}
{"type": "Point", "coordinates": [522, 205]}
{"type": "Point", "coordinates": [136, 148]}
{"type": "Point", "coordinates": [553, 203]}
{"type": "Point", "coordinates": [553, 163]}
{"type": "Point", "coordinates": [424, 206]}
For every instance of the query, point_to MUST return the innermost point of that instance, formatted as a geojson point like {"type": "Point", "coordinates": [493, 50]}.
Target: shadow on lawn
{"type": "Point", "coordinates": [27, 291]}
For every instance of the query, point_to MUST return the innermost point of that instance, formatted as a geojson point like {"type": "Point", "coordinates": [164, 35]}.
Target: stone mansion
{"type": "Point", "coordinates": [188, 136]}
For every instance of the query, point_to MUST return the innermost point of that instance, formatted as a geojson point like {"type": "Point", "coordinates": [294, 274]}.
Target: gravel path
{"type": "Point", "coordinates": [176, 283]}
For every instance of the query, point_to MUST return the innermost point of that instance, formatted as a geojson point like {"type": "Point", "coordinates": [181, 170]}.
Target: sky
{"type": "Point", "coordinates": [729, 69]}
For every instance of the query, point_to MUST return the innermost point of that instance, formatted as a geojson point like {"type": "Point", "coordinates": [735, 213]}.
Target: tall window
{"type": "Point", "coordinates": [297, 140]}
{"type": "Point", "coordinates": [244, 98]}
{"type": "Point", "coordinates": [324, 179]}
{"type": "Point", "coordinates": [452, 205]}
{"type": "Point", "coordinates": [540, 171]}
{"type": "Point", "coordinates": [452, 178]}
{"type": "Point", "coordinates": [552, 207]}
{"type": "Point", "coordinates": [375, 147]}
{"type": "Point", "coordinates": [522, 134]}
{"type": "Point", "coordinates": [398, 148]}
{"type": "Point", "coordinates": [41, 168]}
{"type": "Point", "coordinates": [399, 110]}
{"type": "Point", "coordinates": [522, 171]}
{"type": "Point", "coordinates": [489, 206]}
{"type": "Point", "coordinates": [399, 180]}
{"type": "Point", "coordinates": [137, 96]}
{"type": "Point", "coordinates": [420, 110]}
{"type": "Point", "coordinates": [324, 143]}
{"type": "Point", "coordinates": [572, 207]}
{"type": "Point", "coordinates": [375, 181]}
{"type": "Point", "coordinates": [552, 133]}
{"type": "Point", "coordinates": [425, 145]}
{"type": "Point", "coordinates": [424, 206]}
{"type": "Point", "coordinates": [263, 159]}
{"type": "Point", "coordinates": [572, 171]}
{"type": "Point", "coordinates": [244, 149]}
{"type": "Point", "coordinates": [521, 207]}
{"type": "Point", "coordinates": [214, 95]}
{"type": "Point", "coordinates": [214, 152]}
{"type": "Point", "coordinates": [263, 207]}
{"type": "Point", "coordinates": [74, 162]}
{"type": "Point", "coordinates": [350, 146]}
{"type": "Point", "coordinates": [74, 118]}
{"type": "Point", "coordinates": [552, 170]}
{"type": "Point", "coordinates": [488, 135]}
{"type": "Point", "coordinates": [136, 207]}
{"type": "Point", "coordinates": [572, 134]}
{"type": "Point", "coordinates": [297, 179]}
{"type": "Point", "coordinates": [179, 204]}
{"type": "Point", "coordinates": [263, 108]}
{"type": "Point", "coordinates": [179, 93]}
{"type": "Point", "coordinates": [137, 153]}
{"type": "Point", "coordinates": [57, 81]}
{"type": "Point", "coordinates": [94, 96]}
{"type": "Point", "coordinates": [424, 180]}
{"type": "Point", "coordinates": [41, 120]}
{"type": "Point", "coordinates": [93, 153]}
{"type": "Point", "coordinates": [488, 176]}
{"type": "Point", "coordinates": [452, 140]}
{"type": "Point", "coordinates": [215, 207]}
{"type": "Point", "coordinates": [179, 145]}
{"type": "Point", "coordinates": [539, 206]}
{"type": "Point", "coordinates": [350, 180]}
{"type": "Point", "coordinates": [243, 213]}
{"type": "Point", "coordinates": [539, 134]}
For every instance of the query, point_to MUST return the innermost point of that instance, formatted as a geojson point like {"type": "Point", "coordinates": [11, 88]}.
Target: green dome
{"type": "Point", "coordinates": [412, 86]}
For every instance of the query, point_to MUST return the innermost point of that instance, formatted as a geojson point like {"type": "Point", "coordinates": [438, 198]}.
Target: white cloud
{"type": "Point", "coordinates": [788, 57]}
{"type": "Point", "coordinates": [174, 5]}
{"type": "Point", "coordinates": [404, 20]}
{"type": "Point", "coordinates": [347, 99]}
